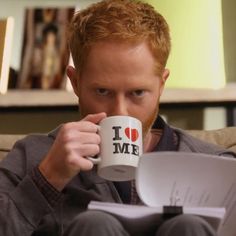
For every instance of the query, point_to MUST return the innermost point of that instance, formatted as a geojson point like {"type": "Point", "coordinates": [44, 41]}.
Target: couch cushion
{"type": "Point", "coordinates": [225, 137]}
{"type": "Point", "coordinates": [6, 143]}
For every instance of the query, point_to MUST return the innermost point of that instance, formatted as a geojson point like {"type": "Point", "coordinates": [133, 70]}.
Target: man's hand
{"type": "Point", "coordinates": [67, 156]}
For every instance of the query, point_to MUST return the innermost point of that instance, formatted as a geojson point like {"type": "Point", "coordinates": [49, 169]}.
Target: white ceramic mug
{"type": "Point", "coordinates": [120, 149]}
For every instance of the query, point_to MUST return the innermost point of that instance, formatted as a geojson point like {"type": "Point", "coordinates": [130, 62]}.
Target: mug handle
{"type": "Point", "coordinates": [98, 159]}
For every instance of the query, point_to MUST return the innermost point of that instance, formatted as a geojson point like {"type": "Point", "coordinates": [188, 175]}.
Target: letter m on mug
{"type": "Point", "coordinates": [125, 140]}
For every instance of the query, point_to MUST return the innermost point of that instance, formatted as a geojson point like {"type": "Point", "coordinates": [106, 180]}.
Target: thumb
{"type": "Point", "coordinates": [95, 118]}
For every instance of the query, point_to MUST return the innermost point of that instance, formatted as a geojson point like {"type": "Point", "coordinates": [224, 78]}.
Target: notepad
{"type": "Point", "coordinates": [172, 183]}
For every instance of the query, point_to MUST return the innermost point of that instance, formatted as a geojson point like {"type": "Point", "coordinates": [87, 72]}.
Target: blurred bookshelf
{"type": "Point", "coordinates": [15, 98]}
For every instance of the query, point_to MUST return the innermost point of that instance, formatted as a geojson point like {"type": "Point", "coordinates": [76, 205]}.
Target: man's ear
{"type": "Point", "coordinates": [71, 73]}
{"type": "Point", "coordinates": [164, 77]}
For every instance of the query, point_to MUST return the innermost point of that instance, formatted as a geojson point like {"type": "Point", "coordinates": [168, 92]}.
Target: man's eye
{"type": "Point", "coordinates": [102, 91]}
{"type": "Point", "coordinates": [138, 93]}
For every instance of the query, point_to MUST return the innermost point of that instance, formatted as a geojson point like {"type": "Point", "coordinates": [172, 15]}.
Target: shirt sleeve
{"type": "Point", "coordinates": [23, 204]}
{"type": "Point", "coordinates": [52, 195]}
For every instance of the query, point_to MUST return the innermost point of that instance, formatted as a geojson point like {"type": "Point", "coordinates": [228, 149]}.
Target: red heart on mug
{"type": "Point", "coordinates": [132, 134]}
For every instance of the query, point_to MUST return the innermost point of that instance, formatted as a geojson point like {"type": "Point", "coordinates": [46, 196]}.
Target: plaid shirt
{"type": "Point", "coordinates": [50, 193]}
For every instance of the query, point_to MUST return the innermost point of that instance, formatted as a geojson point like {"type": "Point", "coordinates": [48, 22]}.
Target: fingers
{"type": "Point", "coordinates": [88, 138]}
{"type": "Point", "coordinates": [78, 157]}
{"type": "Point", "coordinates": [88, 124]}
{"type": "Point", "coordinates": [95, 118]}
{"type": "Point", "coordinates": [67, 156]}
{"type": "Point", "coordinates": [79, 164]}
{"type": "Point", "coordinates": [88, 147]}
{"type": "Point", "coordinates": [83, 132]}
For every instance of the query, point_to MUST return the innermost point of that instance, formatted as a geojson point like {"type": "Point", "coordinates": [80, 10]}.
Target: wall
{"type": "Point", "coordinates": [203, 50]}
{"type": "Point", "coordinates": [196, 58]}
{"type": "Point", "coordinates": [40, 121]}
{"type": "Point", "coordinates": [229, 33]}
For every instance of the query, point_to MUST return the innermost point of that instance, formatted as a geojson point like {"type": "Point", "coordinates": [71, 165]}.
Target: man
{"type": "Point", "coordinates": [120, 49]}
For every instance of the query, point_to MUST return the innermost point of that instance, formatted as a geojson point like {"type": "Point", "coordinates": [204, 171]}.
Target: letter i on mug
{"type": "Point", "coordinates": [121, 147]}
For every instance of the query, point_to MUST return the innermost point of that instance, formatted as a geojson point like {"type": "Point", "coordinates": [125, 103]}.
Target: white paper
{"type": "Point", "coordinates": [204, 185]}
{"type": "Point", "coordinates": [189, 180]}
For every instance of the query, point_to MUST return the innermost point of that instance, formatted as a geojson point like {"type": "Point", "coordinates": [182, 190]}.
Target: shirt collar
{"type": "Point", "coordinates": [169, 139]}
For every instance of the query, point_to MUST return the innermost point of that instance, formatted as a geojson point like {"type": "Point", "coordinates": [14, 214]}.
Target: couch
{"type": "Point", "coordinates": [225, 137]}
{"type": "Point", "coordinates": [6, 143]}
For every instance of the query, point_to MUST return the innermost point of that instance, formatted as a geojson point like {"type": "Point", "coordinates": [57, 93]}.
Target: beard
{"type": "Point", "coordinates": [147, 125]}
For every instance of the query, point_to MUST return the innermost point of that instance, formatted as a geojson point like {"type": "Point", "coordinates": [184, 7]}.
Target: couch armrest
{"type": "Point", "coordinates": [225, 137]}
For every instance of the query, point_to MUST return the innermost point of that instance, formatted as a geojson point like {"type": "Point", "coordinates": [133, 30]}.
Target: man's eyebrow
{"type": "Point", "coordinates": [99, 84]}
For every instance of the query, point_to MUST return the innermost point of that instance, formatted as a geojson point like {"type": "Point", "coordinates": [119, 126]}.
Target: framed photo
{"type": "Point", "coordinates": [45, 53]}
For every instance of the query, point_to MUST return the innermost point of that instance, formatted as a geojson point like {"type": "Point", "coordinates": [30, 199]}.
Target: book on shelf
{"type": "Point", "coordinates": [172, 183]}
{"type": "Point", "coordinates": [6, 36]}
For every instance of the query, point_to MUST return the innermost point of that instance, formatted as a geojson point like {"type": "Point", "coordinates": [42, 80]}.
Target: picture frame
{"type": "Point", "coordinates": [45, 54]}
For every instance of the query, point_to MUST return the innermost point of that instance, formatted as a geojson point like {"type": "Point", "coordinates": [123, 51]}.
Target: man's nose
{"type": "Point", "coordinates": [120, 107]}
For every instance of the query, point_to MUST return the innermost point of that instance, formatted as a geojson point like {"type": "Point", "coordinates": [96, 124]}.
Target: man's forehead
{"type": "Point", "coordinates": [105, 53]}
